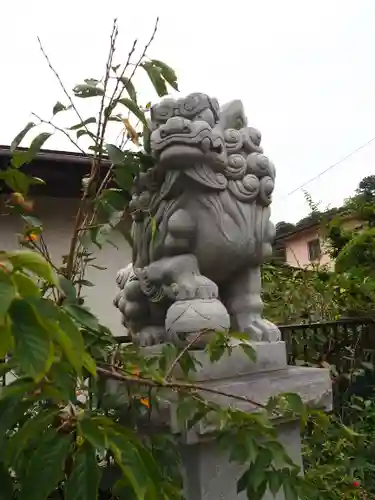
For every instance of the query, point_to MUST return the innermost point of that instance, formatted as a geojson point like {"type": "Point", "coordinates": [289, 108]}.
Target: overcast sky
{"type": "Point", "coordinates": [305, 71]}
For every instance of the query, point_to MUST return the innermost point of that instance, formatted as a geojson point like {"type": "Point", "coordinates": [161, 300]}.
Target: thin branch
{"type": "Point", "coordinates": [147, 46]}
{"type": "Point", "coordinates": [183, 386]}
{"type": "Point", "coordinates": [81, 220]}
{"type": "Point", "coordinates": [48, 122]}
{"type": "Point", "coordinates": [101, 129]}
{"type": "Point", "coordinates": [136, 65]}
{"type": "Point", "coordinates": [183, 352]}
{"type": "Point", "coordinates": [60, 82]}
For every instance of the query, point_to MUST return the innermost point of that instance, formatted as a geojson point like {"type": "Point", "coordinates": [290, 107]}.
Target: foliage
{"type": "Point", "coordinates": [338, 456]}
{"type": "Point", "coordinates": [339, 459]}
{"type": "Point", "coordinates": [54, 438]}
{"type": "Point", "coordinates": [80, 416]}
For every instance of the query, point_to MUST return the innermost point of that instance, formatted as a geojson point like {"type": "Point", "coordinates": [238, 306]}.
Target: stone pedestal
{"type": "Point", "coordinates": [207, 471]}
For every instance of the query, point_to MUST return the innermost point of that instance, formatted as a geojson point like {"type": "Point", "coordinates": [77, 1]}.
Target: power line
{"type": "Point", "coordinates": [330, 167]}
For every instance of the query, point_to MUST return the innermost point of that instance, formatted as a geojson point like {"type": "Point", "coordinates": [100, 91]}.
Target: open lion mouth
{"type": "Point", "coordinates": [180, 144]}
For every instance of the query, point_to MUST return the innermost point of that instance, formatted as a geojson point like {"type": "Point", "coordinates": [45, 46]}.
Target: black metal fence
{"type": "Point", "coordinates": [333, 342]}
{"type": "Point", "coordinates": [346, 346]}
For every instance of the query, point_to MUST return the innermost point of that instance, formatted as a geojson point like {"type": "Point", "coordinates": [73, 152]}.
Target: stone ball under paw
{"type": "Point", "coordinates": [186, 318]}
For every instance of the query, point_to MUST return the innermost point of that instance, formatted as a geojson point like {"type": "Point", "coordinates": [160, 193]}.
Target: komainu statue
{"type": "Point", "coordinates": [201, 227]}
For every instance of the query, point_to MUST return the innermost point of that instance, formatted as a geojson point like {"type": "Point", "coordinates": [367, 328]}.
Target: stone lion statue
{"type": "Point", "coordinates": [201, 227]}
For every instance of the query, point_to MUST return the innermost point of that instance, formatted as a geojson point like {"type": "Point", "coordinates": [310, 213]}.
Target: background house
{"type": "Point", "coordinates": [56, 204]}
{"type": "Point", "coordinates": [304, 245]}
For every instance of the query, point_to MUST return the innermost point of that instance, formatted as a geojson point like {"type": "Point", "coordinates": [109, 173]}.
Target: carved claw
{"type": "Point", "coordinates": [194, 287]}
{"type": "Point", "coordinates": [260, 329]}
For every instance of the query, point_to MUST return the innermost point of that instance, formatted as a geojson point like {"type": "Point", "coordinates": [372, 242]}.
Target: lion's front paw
{"type": "Point", "coordinates": [260, 329]}
{"type": "Point", "coordinates": [195, 287]}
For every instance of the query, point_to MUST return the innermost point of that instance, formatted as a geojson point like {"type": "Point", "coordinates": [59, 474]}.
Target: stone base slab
{"type": "Point", "coordinates": [313, 385]}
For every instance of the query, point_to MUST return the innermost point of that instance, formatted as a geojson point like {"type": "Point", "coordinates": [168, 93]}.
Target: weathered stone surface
{"type": "Point", "coordinates": [201, 226]}
{"type": "Point", "coordinates": [313, 385]}
{"type": "Point", "coordinates": [208, 472]}
{"type": "Point", "coordinates": [209, 475]}
{"type": "Point", "coordinates": [269, 356]}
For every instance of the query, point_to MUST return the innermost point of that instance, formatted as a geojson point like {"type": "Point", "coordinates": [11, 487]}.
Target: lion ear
{"type": "Point", "coordinates": [232, 115]}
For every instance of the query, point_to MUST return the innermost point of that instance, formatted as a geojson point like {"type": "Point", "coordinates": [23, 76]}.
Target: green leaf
{"type": "Point", "coordinates": [275, 481]}
{"type": "Point", "coordinates": [115, 154]}
{"type": "Point", "coordinates": [134, 108]}
{"type": "Point", "coordinates": [7, 293]}
{"type": "Point", "coordinates": [167, 72]}
{"type": "Point", "coordinates": [63, 382]}
{"type": "Point", "coordinates": [91, 81]}
{"type": "Point", "coordinates": [349, 431]}
{"type": "Point", "coordinates": [37, 181]}
{"type": "Point", "coordinates": [26, 286]}
{"type": "Point", "coordinates": [46, 467]}
{"type": "Point", "coordinates": [18, 139]}
{"type": "Point", "coordinates": [83, 482]}
{"type": "Point", "coordinates": [85, 283]}
{"type": "Point", "coordinates": [15, 179]}
{"type": "Point", "coordinates": [289, 491]}
{"type": "Point", "coordinates": [37, 143]}
{"type": "Point", "coordinates": [58, 107]}
{"type": "Point", "coordinates": [114, 197]}
{"type": "Point", "coordinates": [92, 119]}
{"type": "Point", "coordinates": [128, 84]}
{"type": "Point", "coordinates": [68, 288]}
{"type": "Point", "coordinates": [146, 139]}
{"type": "Point", "coordinates": [82, 315]}
{"type": "Point", "coordinates": [32, 222]}
{"type": "Point", "coordinates": [17, 388]}
{"type": "Point", "coordinates": [101, 268]}
{"type": "Point", "coordinates": [155, 76]}
{"type": "Point", "coordinates": [94, 432]}
{"type": "Point", "coordinates": [62, 329]}
{"type": "Point", "coordinates": [6, 338]}
{"type": "Point", "coordinates": [72, 347]}
{"type": "Point", "coordinates": [6, 483]}
{"type": "Point", "coordinates": [96, 148]}
{"type": "Point", "coordinates": [243, 481]}
{"type": "Point", "coordinates": [295, 402]}
{"type": "Point", "coordinates": [33, 347]}
{"type": "Point", "coordinates": [12, 410]}
{"type": "Point", "coordinates": [32, 261]}
{"type": "Point", "coordinates": [124, 177]}
{"type": "Point", "coordinates": [279, 454]}
{"type": "Point", "coordinates": [217, 347]}
{"type": "Point", "coordinates": [82, 132]}
{"type": "Point", "coordinates": [249, 351]}
{"type": "Point", "coordinates": [129, 460]}
{"type": "Point", "coordinates": [30, 430]}
{"type": "Point", "coordinates": [115, 118]}
{"type": "Point", "coordinates": [86, 90]}
{"type": "Point", "coordinates": [89, 363]}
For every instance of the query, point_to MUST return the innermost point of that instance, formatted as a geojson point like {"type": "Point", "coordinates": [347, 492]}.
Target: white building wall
{"type": "Point", "coordinates": [57, 215]}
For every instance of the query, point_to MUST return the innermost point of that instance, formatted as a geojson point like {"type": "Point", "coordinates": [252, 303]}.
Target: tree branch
{"type": "Point", "coordinates": [60, 82]}
{"type": "Point", "coordinates": [183, 386]}
{"type": "Point", "coordinates": [183, 352]}
{"type": "Point", "coordinates": [48, 122]}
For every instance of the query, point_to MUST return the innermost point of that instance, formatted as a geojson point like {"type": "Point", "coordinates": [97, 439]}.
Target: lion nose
{"type": "Point", "coordinates": [175, 125]}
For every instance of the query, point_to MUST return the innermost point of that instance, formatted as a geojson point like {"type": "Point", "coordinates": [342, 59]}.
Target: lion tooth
{"type": "Point", "coordinates": [206, 143]}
